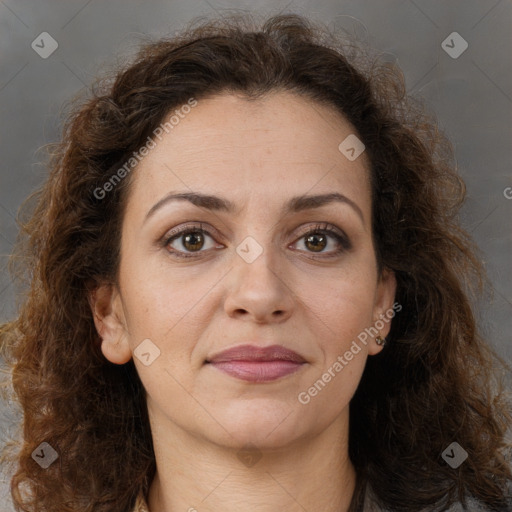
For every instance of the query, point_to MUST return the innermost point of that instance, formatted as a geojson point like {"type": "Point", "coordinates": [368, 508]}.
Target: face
{"type": "Point", "coordinates": [251, 267]}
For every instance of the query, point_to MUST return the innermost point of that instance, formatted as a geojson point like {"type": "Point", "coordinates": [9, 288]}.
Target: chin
{"type": "Point", "coordinates": [262, 424]}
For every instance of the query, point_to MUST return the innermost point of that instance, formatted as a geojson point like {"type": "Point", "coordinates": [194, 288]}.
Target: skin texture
{"type": "Point", "coordinates": [258, 155]}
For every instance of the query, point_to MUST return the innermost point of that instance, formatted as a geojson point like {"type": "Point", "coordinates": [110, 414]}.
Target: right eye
{"type": "Point", "coordinates": [189, 239]}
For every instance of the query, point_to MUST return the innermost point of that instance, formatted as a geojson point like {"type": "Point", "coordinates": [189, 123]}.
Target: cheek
{"type": "Point", "coordinates": [171, 308]}
{"type": "Point", "coordinates": [343, 304]}
{"type": "Point", "coordinates": [341, 312]}
{"type": "Point", "coordinates": [155, 295]}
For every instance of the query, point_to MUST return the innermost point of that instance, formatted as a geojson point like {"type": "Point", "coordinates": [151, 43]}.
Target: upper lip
{"type": "Point", "coordinates": [255, 353]}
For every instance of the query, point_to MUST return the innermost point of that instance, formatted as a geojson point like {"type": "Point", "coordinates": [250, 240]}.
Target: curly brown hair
{"type": "Point", "coordinates": [435, 383]}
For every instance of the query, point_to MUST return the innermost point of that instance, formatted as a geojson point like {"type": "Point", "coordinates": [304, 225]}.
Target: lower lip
{"type": "Point", "coordinates": [257, 371]}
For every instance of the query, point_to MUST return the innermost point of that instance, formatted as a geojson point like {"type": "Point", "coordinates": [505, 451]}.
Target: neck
{"type": "Point", "coordinates": [195, 475]}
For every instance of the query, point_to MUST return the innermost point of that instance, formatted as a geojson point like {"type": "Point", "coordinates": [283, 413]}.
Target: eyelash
{"type": "Point", "coordinates": [325, 228]}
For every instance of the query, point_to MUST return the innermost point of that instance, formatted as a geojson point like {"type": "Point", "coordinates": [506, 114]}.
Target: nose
{"type": "Point", "coordinates": [260, 290]}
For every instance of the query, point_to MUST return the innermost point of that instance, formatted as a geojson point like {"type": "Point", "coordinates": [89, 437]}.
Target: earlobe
{"type": "Point", "coordinates": [384, 310]}
{"type": "Point", "coordinates": [107, 311]}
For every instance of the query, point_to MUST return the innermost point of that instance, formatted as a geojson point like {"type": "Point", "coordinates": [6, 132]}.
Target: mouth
{"type": "Point", "coordinates": [257, 364]}
{"type": "Point", "coordinates": [257, 371]}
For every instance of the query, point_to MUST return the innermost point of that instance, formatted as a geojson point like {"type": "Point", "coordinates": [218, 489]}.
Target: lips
{"type": "Point", "coordinates": [254, 353]}
{"type": "Point", "coordinates": [257, 364]}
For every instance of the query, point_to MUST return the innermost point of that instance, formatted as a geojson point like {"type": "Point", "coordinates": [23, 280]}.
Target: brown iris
{"type": "Point", "coordinates": [193, 241]}
{"type": "Point", "coordinates": [312, 242]}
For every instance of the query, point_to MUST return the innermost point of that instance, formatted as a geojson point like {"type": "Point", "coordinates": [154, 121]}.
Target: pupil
{"type": "Point", "coordinates": [313, 239]}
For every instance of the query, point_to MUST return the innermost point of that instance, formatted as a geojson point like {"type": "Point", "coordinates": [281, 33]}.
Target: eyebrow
{"type": "Point", "coordinates": [294, 205]}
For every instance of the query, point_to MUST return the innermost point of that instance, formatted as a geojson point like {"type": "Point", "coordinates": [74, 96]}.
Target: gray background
{"type": "Point", "coordinates": [471, 96]}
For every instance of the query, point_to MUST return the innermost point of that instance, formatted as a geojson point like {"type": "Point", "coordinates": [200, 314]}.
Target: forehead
{"type": "Point", "coordinates": [275, 147]}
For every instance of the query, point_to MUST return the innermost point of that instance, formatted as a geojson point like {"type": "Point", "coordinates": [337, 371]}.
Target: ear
{"type": "Point", "coordinates": [107, 309]}
{"type": "Point", "coordinates": [383, 310]}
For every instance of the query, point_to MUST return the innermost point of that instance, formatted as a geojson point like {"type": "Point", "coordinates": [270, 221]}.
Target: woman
{"type": "Point", "coordinates": [249, 289]}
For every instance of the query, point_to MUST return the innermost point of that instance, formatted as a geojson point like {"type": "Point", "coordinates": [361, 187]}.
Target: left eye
{"type": "Point", "coordinates": [317, 239]}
